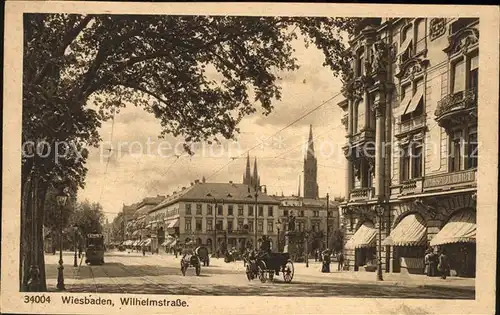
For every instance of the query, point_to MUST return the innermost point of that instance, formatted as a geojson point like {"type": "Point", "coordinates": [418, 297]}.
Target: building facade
{"type": "Point", "coordinates": [411, 122]}
{"type": "Point", "coordinates": [219, 215]}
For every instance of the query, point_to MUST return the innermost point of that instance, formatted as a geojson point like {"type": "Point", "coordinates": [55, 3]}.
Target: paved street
{"type": "Point", "coordinates": [160, 274]}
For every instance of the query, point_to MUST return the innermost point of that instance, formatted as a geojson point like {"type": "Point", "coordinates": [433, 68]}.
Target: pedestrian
{"type": "Point", "coordinates": [433, 263]}
{"type": "Point", "coordinates": [326, 261]}
{"type": "Point", "coordinates": [316, 255]}
{"type": "Point", "coordinates": [340, 259]}
{"type": "Point", "coordinates": [443, 265]}
{"type": "Point", "coordinates": [427, 262]}
{"type": "Point", "coordinates": [143, 251]}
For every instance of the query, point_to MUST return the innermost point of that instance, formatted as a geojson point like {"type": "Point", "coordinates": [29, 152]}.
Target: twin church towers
{"type": "Point", "coordinates": [310, 171]}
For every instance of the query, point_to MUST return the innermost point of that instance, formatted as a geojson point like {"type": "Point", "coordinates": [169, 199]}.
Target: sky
{"type": "Point", "coordinates": [142, 165]}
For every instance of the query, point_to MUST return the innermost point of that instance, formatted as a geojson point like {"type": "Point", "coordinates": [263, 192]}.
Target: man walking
{"type": "Point", "coordinates": [443, 265]}
{"type": "Point", "coordinates": [340, 259]}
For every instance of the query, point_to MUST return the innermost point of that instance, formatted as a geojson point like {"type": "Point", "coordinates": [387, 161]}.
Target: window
{"type": "Point", "coordinates": [240, 210]}
{"type": "Point", "coordinates": [250, 226]}
{"type": "Point", "coordinates": [360, 67]}
{"type": "Point", "coordinates": [474, 72]}
{"type": "Point", "coordinates": [420, 36]}
{"type": "Point", "coordinates": [360, 116]}
{"type": "Point", "coordinates": [405, 163]}
{"type": "Point", "coordinates": [456, 144]}
{"type": "Point", "coordinates": [270, 225]}
{"type": "Point", "coordinates": [220, 210]}
{"type": "Point", "coordinates": [219, 225]}
{"type": "Point", "coordinates": [472, 148]}
{"type": "Point", "coordinates": [302, 226]}
{"type": "Point", "coordinates": [270, 211]}
{"type": "Point", "coordinates": [240, 225]}
{"type": "Point", "coordinates": [416, 159]}
{"type": "Point", "coordinates": [229, 225]}
{"type": "Point", "coordinates": [412, 100]}
{"type": "Point", "coordinates": [188, 209]}
{"type": "Point", "coordinates": [458, 72]}
{"type": "Point", "coordinates": [230, 210]}
{"type": "Point", "coordinates": [210, 225]}
{"type": "Point", "coordinates": [260, 227]}
{"type": "Point", "coordinates": [188, 224]}
{"type": "Point", "coordinates": [285, 213]}
{"type": "Point", "coordinates": [198, 225]}
{"type": "Point", "coordinates": [198, 209]}
{"type": "Point", "coordinates": [301, 213]}
{"type": "Point", "coordinates": [261, 211]}
{"type": "Point", "coordinates": [209, 210]}
{"type": "Point", "coordinates": [407, 42]}
{"type": "Point", "coordinates": [250, 211]}
{"type": "Point", "coordinates": [316, 213]}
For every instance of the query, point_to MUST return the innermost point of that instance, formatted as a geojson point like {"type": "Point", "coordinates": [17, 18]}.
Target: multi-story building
{"type": "Point", "coordinates": [219, 215]}
{"type": "Point", "coordinates": [410, 115]}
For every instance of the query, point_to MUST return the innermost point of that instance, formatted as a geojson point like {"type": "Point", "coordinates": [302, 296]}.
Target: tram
{"type": "Point", "coordinates": [94, 252]}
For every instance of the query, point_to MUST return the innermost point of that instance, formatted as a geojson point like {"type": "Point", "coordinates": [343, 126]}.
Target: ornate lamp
{"type": "Point", "coordinates": [61, 198]}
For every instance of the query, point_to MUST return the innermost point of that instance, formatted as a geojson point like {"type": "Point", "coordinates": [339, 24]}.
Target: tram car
{"type": "Point", "coordinates": [94, 251]}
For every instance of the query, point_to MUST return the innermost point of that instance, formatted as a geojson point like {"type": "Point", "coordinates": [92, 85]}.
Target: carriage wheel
{"type": "Point", "coordinates": [288, 271]}
{"type": "Point", "coordinates": [262, 271]}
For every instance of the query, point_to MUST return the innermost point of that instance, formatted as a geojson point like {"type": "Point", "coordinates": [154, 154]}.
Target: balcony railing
{"type": "Point", "coordinates": [361, 194]}
{"type": "Point", "coordinates": [455, 104]}
{"type": "Point", "coordinates": [412, 186]}
{"type": "Point", "coordinates": [451, 180]}
{"type": "Point", "coordinates": [411, 125]}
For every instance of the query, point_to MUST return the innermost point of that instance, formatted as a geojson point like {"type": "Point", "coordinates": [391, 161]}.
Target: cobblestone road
{"type": "Point", "coordinates": [160, 274]}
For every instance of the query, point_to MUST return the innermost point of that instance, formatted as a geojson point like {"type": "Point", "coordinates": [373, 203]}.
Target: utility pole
{"type": "Point", "coordinates": [255, 216]}
{"type": "Point", "coordinates": [327, 214]}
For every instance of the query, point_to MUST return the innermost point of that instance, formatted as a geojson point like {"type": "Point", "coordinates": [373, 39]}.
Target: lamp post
{"type": "Point", "coordinates": [278, 226]}
{"type": "Point", "coordinates": [256, 195]}
{"type": "Point", "coordinates": [62, 197]}
{"type": "Point", "coordinates": [215, 221]}
{"type": "Point", "coordinates": [306, 238]}
{"type": "Point", "coordinates": [327, 212]}
{"type": "Point", "coordinates": [380, 212]}
{"type": "Point", "coordinates": [75, 261]}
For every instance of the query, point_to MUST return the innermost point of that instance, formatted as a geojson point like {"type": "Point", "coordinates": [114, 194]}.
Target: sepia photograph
{"type": "Point", "coordinates": [162, 156]}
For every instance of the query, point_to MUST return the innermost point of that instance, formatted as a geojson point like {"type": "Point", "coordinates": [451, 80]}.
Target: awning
{"type": "Point", "coordinates": [136, 243]}
{"type": "Point", "coordinates": [173, 224]}
{"type": "Point", "coordinates": [173, 243]}
{"type": "Point", "coordinates": [403, 106]}
{"type": "Point", "coordinates": [411, 231]}
{"type": "Point", "coordinates": [364, 237]}
{"type": "Point", "coordinates": [460, 229]}
{"type": "Point", "coordinates": [415, 100]}
{"type": "Point", "coordinates": [136, 232]}
{"type": "Point", "coordinates": [167, 242]}
{"type": "Point", "coordinates": [146, 242]}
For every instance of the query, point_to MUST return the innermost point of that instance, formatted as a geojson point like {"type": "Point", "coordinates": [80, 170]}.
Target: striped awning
{"type": "Point", "coordinates": [461, 228]}
{"type": "Point", "coordinates": [168, 241]}
{"type": "Point", "coordinates": [146, 242]}
{"type": "Point", "coordinates": [411, 231]}
{"type": "Point", "coordinates": [136, 243]}
{"type": "Point", "coordinates": [136, 232]}
{"type": "Point", "coordinates": [173, 243]}
{"type": "Point", "coordinates": [364, 237]}
{"type": "Point", "coordinates": [173, 224]}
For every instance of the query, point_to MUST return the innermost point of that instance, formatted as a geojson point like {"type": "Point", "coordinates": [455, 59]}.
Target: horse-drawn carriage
{"type": "Point", "coordinates": [190, 258]}
{"type": "Point", "coordinates": [266, 266]}
{"type": "Point", "coordinates": [203, 254]}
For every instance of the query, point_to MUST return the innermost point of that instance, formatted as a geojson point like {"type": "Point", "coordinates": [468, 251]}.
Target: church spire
{"type": "Point", "coordinates": [310, 143]}
{"type": "Point", "coordinates": [298, 191]}
{"type": "Point", "coordinates": [247, 176]}
{"type": "Point", "coordinates": [256, 179]}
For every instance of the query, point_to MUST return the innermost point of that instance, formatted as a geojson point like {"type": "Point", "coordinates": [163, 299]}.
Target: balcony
{"type": "Point", "coordinates": [412, 186]}
{"type": "Point", "coordinates": [361, 194]}
{"type": "Point", "coordinates": [413, 124]}
{"type": "Point", "coordinates": [455, 180]}
{"type": "Point", "coordinates": [362, 137]}
{"type": "Point", "coordinates": [454, 108]}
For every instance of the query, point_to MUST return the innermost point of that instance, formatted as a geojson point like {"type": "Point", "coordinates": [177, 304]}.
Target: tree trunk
{"type": "Point", "coordinates": [42, 192]}
{"type": "Point", "coordinates": [26, 231]}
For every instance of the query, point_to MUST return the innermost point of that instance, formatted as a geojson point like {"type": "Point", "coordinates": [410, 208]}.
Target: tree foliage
{"type": "Point", "coordinates": [89, 217]}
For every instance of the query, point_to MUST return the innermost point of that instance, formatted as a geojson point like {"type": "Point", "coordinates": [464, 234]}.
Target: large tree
{"type": "Point", "coordinates": [79, 70]}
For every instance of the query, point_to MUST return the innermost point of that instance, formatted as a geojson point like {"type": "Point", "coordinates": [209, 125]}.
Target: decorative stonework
{"type": "Point", "coordinates": [380, 58]}
{"type": "Point", "coordinates": [411, 68]}
{"type": "Point", "coordinates": [462, 41]}
{"type": "Point", "coordinates": [437, 28]}
{"type": "Point", "coordinates": [456, 108]}
{"type": "Point", "coordinates": [354, 89]}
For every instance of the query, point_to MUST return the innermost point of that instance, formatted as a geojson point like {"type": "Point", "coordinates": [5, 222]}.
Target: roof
{"type": "Point", "coordinates": [228, 192]}
{"type": "Point", "coordinates": [295, 201]}
{"type": "Point", "coordinates": [147, 204]}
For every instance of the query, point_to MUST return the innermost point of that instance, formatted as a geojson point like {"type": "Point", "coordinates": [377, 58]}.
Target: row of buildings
{"type": "Point", "coordinates": [411, 127]}
{"type": "Point", "coordinates": [227, 215]}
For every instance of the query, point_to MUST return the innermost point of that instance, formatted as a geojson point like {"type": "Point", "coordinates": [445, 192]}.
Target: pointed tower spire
{"type": "Point", "coordinates": [298, 191]}
{"type": "Point", "coordinates": [310, 143]}
{"type": "Point", "coordinates": [247, 176]}
{"type": "Point", "coordinates": [256, 180]}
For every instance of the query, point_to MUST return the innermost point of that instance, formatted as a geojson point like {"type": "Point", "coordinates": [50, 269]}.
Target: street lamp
{"type": "Point", "coordinates": [256, 195]}
{"type": "Point", "coordinates": [306, 238]}
{"type": "Point", "coordinates": [380, 212]}
{"type": "Point", "coordinates": [327, 212]}
{"type": "Point", "coordinates": [75, 230]}
{"type": "Point", "coordinates": [215, 222]}
{"type": "Point", "coordinates": [61, 198]}
{"type": "Point", "coordinates": [278, 226]}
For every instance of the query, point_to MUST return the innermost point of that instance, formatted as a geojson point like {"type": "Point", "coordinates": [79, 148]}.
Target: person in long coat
{"type": "Point", "coordinates": [444, 265]}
